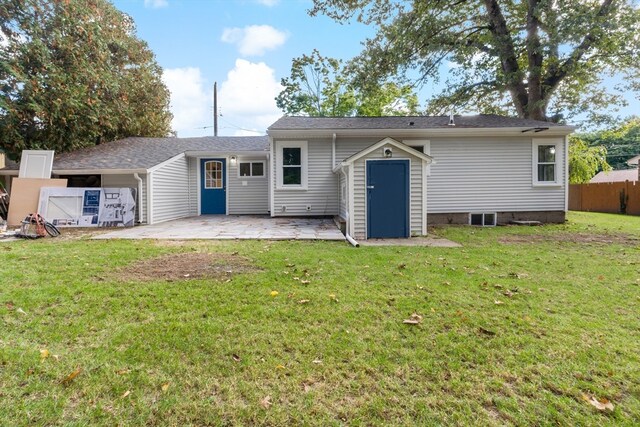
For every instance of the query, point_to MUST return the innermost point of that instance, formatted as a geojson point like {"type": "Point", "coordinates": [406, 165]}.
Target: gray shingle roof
{"type": "Point", "coordinates": [144, 153]}
{"type": "Point", "coordinates": [616, 176]}
{"type": "Point", "coordinates": [395, 122]}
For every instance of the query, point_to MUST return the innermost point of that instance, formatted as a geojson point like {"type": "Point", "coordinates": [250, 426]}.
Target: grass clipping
{"type": "Point", "coordinates": [186, 266]}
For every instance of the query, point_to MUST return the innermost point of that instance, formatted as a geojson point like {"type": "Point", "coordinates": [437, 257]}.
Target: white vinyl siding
{"type": "Point", "coordinates": [247, 195]}
{"type": "Point", "coordinates": [360, 192]}
{"type": "Point", "coordinates": [343, 196]}
{"type": "Point", "coordinates": [170, 194]}
{"type": "Point", "coordinates": [129, 181]}
{"type": "Point", "coordinates": [192, 163]}
{"type": "Point", "coordinates": [322, 186]}
{"type": "Point", "coordinates": [489, 175]}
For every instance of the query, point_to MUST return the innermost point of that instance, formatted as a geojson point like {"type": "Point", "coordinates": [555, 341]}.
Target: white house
{"type": "Point", "coordinates": [380, 176]}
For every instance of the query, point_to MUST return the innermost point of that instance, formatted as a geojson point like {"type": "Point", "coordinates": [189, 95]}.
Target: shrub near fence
{"type": "Point", "coordinates": [612, 197]}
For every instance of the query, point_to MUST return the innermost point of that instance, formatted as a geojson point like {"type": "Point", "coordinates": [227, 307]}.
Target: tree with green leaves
{"type": "Point", "coordinates": [320, 86]}
{"type": "Point", "coordinates": [585, 161]}
{"type": "Point", "coordinates": [74, 74]}
{"type": "Point", "coordinates": [537, 59]}
{"type": "Point", "coordinates": [621, 142]}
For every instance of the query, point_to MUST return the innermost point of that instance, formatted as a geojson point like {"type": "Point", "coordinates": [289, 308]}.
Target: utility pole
{"type": "Point", "coordinates": [215, 109]}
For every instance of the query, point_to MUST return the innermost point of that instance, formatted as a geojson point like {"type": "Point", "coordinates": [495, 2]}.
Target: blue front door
{"type": "Point", "coordinates": [213, 186]}
{"type": "Point", "coordinates": [387, 198]}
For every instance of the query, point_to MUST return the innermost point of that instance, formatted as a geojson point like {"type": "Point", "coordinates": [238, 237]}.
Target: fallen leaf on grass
{"type": "Point", "coordinates": [316, 361]}
{"type": "Point", "coordinates": [125, 394]}
{"type": "Point", "coordinates": [332, 297]}
{"type": "Point", "coordinates": [44, 353]}
{"type": "Point", "coordinates": [305, 282]}
{"type": "Point", "coordinates": [600, 404]}
{"type": "Point", "coordinates": [508, 293]}
{"type": "Point", "coordinates": [67, 380]}
{"type": "Point", "coordinates": [165, 387]}
{"type": "Point", "coordinates": [402, 266]}
{"type": "Point", "coordinates": [235, 357]}
{"type": "Point", "coordinates": [414, 319]}
{"type": "Point", "coordinates": [498, 302]}
{"type": "Point", "coordinates": [280, 367]}
{"type": "Point", "coordinates": [486, 331]}
{"type": "Point", "coordinates": [9, 305]}
{"type": "Point", "coordinates": [274, 293]}
{"type": "Point", "coordinates": [21, 311]}
{"type": "Point", "coordinates": [303, 301]}
{"type": "Point", "coordinates": [266, 402]}
{"type": "Point", "coordinates": [123, 371]}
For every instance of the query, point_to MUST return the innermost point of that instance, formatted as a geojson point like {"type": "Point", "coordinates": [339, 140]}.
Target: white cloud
{"type": "Point", "coordinates": [156, 4]}
{"type": "Point", "coordinates": [190, 101]}
{"type": "Point", "coordinates": [247, 99]}
{"type": "Point", "coordinates": [268, 3]}
{"type": "Point", "coordinates": [254, 40]}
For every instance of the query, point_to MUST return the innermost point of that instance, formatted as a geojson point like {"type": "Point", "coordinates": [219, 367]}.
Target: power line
{"type": "Point", "coordinates": [233, 126]}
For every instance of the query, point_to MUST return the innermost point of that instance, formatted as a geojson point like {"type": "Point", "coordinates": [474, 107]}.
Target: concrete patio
{"type": "Point", "coordinates": [233, 227]}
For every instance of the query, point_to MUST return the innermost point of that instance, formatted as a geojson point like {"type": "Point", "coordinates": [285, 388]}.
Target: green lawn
{"type": "Point", "coordinates": [522, 325]}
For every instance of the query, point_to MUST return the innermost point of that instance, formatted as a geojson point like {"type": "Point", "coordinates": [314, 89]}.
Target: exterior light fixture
{"type": "Point", "coordinates": [233, 160]}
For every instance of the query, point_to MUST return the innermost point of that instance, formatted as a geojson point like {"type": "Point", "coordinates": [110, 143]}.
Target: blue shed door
{"type": "Point", "coordinates": [213, 186]}
{"type": "Point", "coordinates": [387, 198]}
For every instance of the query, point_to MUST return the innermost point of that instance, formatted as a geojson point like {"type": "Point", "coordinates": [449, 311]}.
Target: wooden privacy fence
{"type": "Point", "coordinates": [612, 197]}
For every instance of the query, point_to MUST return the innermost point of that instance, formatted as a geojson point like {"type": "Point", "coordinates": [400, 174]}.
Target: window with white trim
{"type": "Point", "coordinates": [546, 162]}
{"type": "Point", "coordinates": [213, 174]}
{"type": "Point", "coordinates": [292, 165]}
{"type": "Point", "coordinates": [250, 169]}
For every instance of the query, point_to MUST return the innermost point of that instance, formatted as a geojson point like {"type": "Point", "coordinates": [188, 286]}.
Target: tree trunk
{"type": "Point", "coordinates": [536, 108]}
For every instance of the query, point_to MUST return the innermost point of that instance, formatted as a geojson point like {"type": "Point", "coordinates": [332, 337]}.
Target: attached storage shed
{"type": "Point", "coordinates": [384, 191]}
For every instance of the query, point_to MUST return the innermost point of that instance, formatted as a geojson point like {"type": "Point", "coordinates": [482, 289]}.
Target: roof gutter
{"type": "Point", "coordinates": [15, 172]}
{"type": "Point", "coordinates": [407, 133]}
{"type": "Point", "coordinates": [264, 153]}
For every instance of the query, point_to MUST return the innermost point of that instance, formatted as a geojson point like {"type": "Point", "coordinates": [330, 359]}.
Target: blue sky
{"type": "Point", "coordinates": [244, 45]}
{"type": "Point", "coordinates": [247, 47]}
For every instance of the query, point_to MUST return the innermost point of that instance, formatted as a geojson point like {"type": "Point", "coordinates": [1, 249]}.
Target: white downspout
{"type": "Point", "coordinates": [140, 213]}
{"type": "Point", "coordinates": [333, 152]}
{"type": "Point", "coordinates": [347, 228]}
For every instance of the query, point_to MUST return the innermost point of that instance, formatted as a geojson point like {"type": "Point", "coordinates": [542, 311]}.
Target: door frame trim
{"type": "Point", "coordinates": [409, 200]}
{"type": "Point", "coordinates": [199, 181]}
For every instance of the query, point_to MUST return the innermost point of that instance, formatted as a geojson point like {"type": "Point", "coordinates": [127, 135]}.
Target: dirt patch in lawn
{"type": "Point", "coordinates": [186, 266]}
{"type": "Point", "coordinates": [583, 238]}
